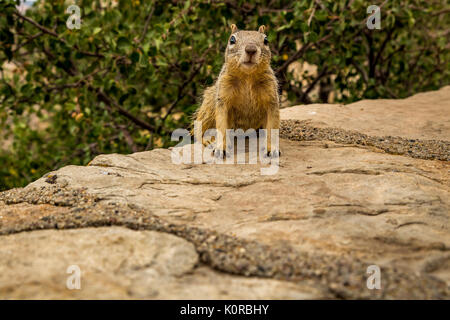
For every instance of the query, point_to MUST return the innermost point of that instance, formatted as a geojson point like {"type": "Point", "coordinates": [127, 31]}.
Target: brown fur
{"type": "Point", "coordinates": [243, 96]}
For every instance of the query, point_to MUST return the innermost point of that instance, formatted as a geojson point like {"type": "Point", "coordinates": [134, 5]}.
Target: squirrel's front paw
{"type": "Point", "coordinates": [274, 154]}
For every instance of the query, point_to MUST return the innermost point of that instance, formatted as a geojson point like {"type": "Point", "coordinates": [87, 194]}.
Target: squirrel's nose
{"type": "Point", "coordinates": [250, 49]}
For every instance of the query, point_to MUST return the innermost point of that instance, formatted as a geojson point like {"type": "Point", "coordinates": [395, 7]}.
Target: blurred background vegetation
{"type": "Point", "coordinates": [135, 70]}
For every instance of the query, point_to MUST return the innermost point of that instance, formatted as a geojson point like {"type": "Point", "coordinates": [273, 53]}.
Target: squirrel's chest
{"type": "Point", "coordinates": [246, 97]}
{"type": "Point", "coordinates": [246, 105]}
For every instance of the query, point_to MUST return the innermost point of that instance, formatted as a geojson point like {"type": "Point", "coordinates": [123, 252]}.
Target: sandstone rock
{"type": "Point", "coordinates": [422, 116]}
{"type": "Point", "coordinates": [118, 263]}
{"type": "Point", "coordinates": [331, 210]}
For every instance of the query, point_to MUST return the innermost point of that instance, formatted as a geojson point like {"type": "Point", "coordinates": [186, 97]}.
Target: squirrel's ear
{"type": "Point", "coordinates": [233, 28]}
{"type": "Point", "coordinates": [262, 29]}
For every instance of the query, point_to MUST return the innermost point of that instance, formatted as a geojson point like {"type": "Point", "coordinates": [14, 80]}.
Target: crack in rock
{"type": "Point", "coordinates": [343, 276]}
{"type": "Point", "coordinates": [301, 130]}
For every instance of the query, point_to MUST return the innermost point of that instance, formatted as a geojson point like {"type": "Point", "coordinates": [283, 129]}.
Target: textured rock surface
{"type": "Point", "coordinates": [422, 116]}
{"type": "Point", "coordinates": [120, 263]}
{"type": "Point", "coordinates": [309, 231]}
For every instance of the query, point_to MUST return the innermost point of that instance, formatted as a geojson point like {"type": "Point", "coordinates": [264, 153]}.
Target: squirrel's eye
{"type": "Point", "coordinates": [232, 40]}
{"type": "Point", "coordinates": [266, 41]}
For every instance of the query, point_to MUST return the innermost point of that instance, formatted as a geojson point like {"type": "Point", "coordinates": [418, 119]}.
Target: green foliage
{"type": "Point", "coordinates": [134, 71]}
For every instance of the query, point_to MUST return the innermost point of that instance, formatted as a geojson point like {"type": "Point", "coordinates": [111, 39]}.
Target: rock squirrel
{"type": "Point", "coordinates": [245, 95]}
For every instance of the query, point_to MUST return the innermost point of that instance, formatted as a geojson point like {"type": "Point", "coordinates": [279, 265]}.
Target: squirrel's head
{"type": "Point", "coordinates": [247, 51]}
